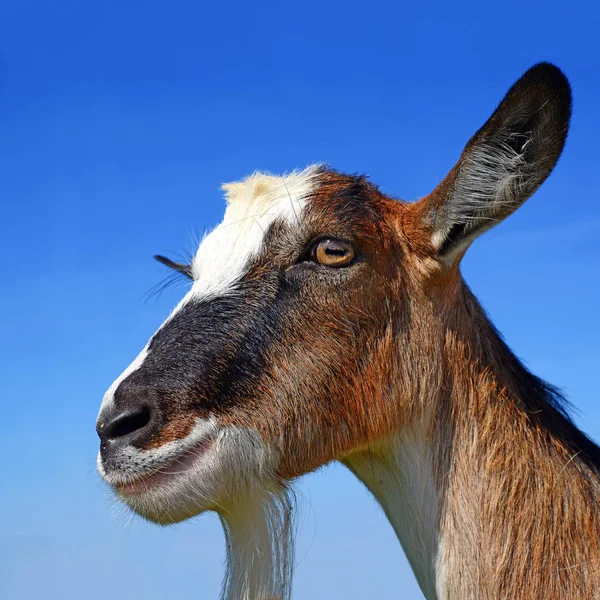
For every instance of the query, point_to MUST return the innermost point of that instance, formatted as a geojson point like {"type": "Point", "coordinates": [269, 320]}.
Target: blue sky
{"type": "Point", "coordinates": [118, 123]}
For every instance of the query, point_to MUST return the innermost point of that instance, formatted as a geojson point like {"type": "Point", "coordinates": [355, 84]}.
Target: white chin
{"type": "Point", "coordinates": [211, 477]}
{"type": "Point", "coordinates": [182, 490]}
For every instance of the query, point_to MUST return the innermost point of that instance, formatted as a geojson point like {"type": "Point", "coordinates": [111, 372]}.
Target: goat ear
{"type": "Point", "coordinates": [503, 163]}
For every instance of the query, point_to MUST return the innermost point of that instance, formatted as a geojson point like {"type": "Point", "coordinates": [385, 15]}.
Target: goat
{"type": "Point", "coordinates": [327, 321]}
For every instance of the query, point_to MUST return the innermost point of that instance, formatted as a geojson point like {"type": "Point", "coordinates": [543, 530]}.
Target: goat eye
{"type": "Point", "coordinates": [333, 253]}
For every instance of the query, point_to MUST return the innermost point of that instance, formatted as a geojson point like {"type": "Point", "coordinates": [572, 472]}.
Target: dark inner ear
{"type": "Point", "coordinates": [504, 162]}
{"type": "Point", "coordinates": [177, 266]}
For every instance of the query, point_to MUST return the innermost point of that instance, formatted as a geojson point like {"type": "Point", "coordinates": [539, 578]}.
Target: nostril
{"type": "Point", "coordinates": [126, 422]}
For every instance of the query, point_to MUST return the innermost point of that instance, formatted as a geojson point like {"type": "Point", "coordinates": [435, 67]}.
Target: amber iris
{"type": "Point", "coordinates": [333, 253]}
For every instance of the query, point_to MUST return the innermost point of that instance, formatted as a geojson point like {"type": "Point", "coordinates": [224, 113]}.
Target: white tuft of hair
{"type": "Point", "coordinates": [260, 549]}
{"type": "Point", "coordinates": [253, 205]}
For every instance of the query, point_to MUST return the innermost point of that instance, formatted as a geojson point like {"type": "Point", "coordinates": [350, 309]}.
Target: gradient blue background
{"type": "Point", "coordinates": [118, 123]}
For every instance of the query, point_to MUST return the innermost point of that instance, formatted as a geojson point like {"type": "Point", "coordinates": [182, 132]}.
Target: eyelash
{"type": "Point", "coordinates": [184, 269]}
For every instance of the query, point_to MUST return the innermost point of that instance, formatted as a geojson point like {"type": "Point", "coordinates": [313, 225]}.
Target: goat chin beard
{"type": "Point", "coordinates": [260, 547]}
{"type": "Point", "coordinates": [233, 477]}
{"type": "Point", "coordinates": [259, 529]}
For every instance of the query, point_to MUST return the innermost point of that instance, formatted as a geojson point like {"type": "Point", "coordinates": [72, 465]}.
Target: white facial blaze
{"type": "Point", "coordinates": [259, 530]}
{"type": "Point", "coordinates": [252, 206]}
{"type": "Point", "coordinates": [224, 254]}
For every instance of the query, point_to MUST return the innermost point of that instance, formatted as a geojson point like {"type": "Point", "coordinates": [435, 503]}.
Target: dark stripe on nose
{"type": "Point", "coordinates": [134, 417]}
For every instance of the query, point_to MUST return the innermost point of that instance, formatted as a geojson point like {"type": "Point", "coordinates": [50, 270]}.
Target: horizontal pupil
{"type": "Point", "coordinates": [336, 251]}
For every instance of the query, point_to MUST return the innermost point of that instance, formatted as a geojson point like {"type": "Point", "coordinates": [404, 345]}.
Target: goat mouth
{"type": "Point", "coordinates": [167, 473]}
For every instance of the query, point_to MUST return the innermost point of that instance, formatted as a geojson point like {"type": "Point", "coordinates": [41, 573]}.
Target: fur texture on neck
{"type": "Point", "coordinates": [399, 473]}
{"type": "Point", "coordinates": [492, 490]}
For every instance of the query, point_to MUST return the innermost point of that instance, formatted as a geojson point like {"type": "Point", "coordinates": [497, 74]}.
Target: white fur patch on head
{"type": "Point", "coordinates": [252, 206]}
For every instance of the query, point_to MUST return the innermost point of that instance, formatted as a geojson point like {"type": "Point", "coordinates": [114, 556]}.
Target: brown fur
{"type": "Point", "coordinates": [524, 496]}
{"type": "Point", "coordinates": [399, 339]}
{"type": "Point", "coordinates": [519, 505]}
